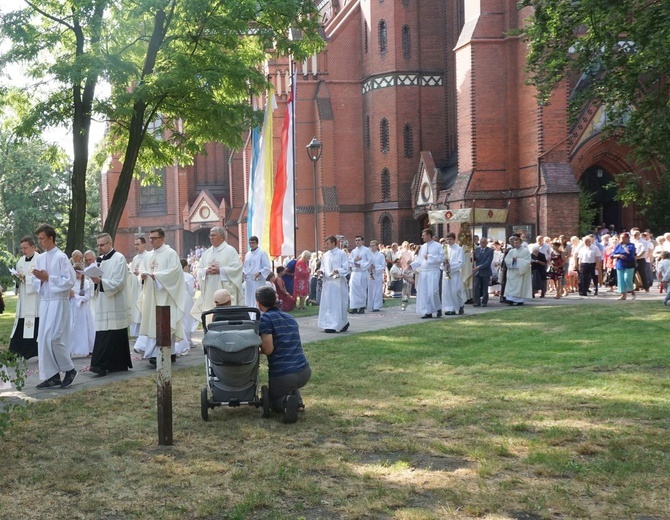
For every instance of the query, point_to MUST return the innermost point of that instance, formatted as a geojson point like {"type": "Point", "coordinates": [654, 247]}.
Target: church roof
{"type": "Point", "coordinates": [558, 178]}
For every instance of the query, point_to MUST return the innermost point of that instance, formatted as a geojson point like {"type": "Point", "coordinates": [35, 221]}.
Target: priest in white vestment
{"type": "Point", "coordinates": [518, 284]}
{"type": "Point", "coordinates": [452, 283]}
{"type": "Point", "coordinates": [26, 320]}
{"type": "Point", "coordinates": [219, 268]}
{"type": "Point", "coordinates": [359, 265]}
{"type": "Point", "coordinates": [334, 297]}
{"type": "Point", "coordinates": [376, 278]}
{"type": "Point", "coordinates": [427, 265]}
{"type": "Point", "coordinates": [134, 285]}
{"type": "Point", "coordinates": [111, 352]}
{"type": "Point", "coordinates": [256, 269]}
{"type": "Point", "coordinates": [53, 277]}
{"type": "Point", "coordinates": [164, 286]}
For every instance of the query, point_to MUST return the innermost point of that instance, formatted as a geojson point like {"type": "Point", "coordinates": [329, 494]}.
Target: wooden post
{"type": "Point", "coordinates": [164, 375]}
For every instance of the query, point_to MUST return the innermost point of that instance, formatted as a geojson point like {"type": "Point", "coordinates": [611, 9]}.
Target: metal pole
{"type": "Point", "coordinates": [316, 211]}
{"type": "Point", "coordinates": [164, 375]}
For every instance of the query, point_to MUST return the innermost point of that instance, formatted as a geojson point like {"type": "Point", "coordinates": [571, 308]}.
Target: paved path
{"type": "Point", "coordinates": [388, 317]}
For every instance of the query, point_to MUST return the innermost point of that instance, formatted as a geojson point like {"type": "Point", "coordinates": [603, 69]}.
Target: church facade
{"type": "Point", "coordinates": [419, 106]}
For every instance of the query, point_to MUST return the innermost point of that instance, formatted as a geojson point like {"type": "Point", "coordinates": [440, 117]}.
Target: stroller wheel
{"type": "Point", "coordinates": [265, 401]}
{"type": "Point", "coordinates": [204, 404]}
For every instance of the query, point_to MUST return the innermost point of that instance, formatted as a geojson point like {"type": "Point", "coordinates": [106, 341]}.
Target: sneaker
{"type": "Point", "coordinates": [49, 383]}
{"type": "Point", "coordinates": [291, 404]}
{"type": "Point", "coordinates": [69, 378]}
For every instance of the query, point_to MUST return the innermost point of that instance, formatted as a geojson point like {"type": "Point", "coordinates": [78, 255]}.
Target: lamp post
{"type": "Point", "coordinates": [314, 153]}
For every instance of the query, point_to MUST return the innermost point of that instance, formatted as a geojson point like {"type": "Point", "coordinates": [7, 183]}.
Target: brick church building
{"type": "Point", "coordinates": [419, 105]}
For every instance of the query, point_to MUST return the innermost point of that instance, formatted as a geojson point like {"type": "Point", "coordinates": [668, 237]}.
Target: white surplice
{"type": "Point", "coordinates": [256, 269]}
{"type": "Point", "coordinates": [334, 297]}
{"type": "Point", "coordinates": [82, 323]}
{"type": "Point", "coordinates": [518, 284]}
{"type": "Point", "coordinates": [27, 306]}
{"type": "Point", "coordinates": [452, 286]}
{"type": "Point", "coordinates": [360, 274]}
{"type": "Point", "coordinates": [133, 290]}
{"type": "Point", "coordinates": [376, 283]}
{"type": "Point", "coordinates": [427, 264]}
{"type": "Point", "coordinates": [53, 339]}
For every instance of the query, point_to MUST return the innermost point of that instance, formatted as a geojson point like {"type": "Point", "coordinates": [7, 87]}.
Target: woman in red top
{"type": "Point", "coordinates": [286, 299]}
{"type": "Point", "coordinates": [301, 279]}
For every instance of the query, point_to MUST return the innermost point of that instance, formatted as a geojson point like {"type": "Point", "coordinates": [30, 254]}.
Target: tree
{"type": "Point", "coordinates": [620, 50]}
{"type": "Point", "coordinates": [34, 187]}
{"type": "Point", "coordinates": [60, 42]}
{"type": "Point", "coordinates": [182, 73]}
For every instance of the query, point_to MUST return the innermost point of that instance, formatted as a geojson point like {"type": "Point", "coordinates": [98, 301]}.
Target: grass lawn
{"type": "Point", "coordinates": [529, 413]}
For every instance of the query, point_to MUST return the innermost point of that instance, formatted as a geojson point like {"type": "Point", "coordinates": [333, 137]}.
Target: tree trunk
{"type": "Point", "coordinates": [135, 133]}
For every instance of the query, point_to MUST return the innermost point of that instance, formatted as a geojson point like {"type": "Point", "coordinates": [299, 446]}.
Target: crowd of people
{"type": "Point", "coordinates": [92, 304]}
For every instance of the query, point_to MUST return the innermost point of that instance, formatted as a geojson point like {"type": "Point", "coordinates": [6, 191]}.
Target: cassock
{"type": "Point", "coordinates": [256, 269]}
{"type": "Point", "coordinates": [360, 274]}
{"type": "Point", "coordinates": [333, 306]}
{"type": "Point", "coordinates": [82, 323]}
{"type": "Point", "coordinates": [518, 282]}
{"type": "Point", "coordinates": [166, 290]}
{"type": "Point", "coordinates": [230, 277]}
{"type": "Point", "coordinates": [427, 263]}
{"type": "Point", "coordinates": [111, 352]}
{"type": "Point", "coordinates": [26, 320]}
{"type": "Point", "coordinates": [376, 281]}
{"type": "Point", "coordinates": [452, 284]}
{"type": "Point", "coordinates": [53, 338]}
{"type": "Point", "coordinates": [133, 290]}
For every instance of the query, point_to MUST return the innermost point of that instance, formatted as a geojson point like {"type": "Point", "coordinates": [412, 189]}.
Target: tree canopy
{"type": "Point", "coordinates": [181, 75]}
{"type": "Point", "coordinates": [620, 51]}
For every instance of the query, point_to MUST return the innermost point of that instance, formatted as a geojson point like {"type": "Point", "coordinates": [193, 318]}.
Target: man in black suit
{"type": "Point", "coordinates": [482, 273]}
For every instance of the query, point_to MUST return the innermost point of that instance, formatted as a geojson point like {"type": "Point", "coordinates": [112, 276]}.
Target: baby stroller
{"type": "Point", "coordinates": [231, 344]}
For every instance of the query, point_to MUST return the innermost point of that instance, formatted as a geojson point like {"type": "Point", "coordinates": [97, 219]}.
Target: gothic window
{"type": "Point", "coordinates": [365, 36]}
{"type": "Point", "coordinates": [367, 131]}
{"type": "Point", "coordinates": [384, 135]}
{"type": "Point", "coordinates": [406, 42]}
{"type": "Point", "coordinates": [386, 229]}
{"type": "Point", "coordinates": [382, 37]}
{"type": "Point", "coordinates": [152, 194]}
{"type": "Point", "coordinates": [386, 185]}
{"type": "Point", "coordinates": [407, 138]}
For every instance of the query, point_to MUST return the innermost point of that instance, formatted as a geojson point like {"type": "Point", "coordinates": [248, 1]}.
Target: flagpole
{"type": "Point", "coordinates": [295, 195]}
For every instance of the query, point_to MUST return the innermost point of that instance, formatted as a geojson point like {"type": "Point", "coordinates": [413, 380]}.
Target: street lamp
{"type": "Point", "coordinates": [314, 154]}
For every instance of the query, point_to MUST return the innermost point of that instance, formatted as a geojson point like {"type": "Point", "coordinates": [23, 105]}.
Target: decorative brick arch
{"type": "Point", "coordinates": [608, 153]}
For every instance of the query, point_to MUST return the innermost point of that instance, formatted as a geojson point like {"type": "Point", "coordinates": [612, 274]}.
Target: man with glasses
{"type": "Point", "coordinates": [111, 350]}
{"type": "Point", "coordinates": [164, 286]}
{"type": "Point", "coordinates": [53, 277]}
{"type": "Point", "coordinates": [219, 268]}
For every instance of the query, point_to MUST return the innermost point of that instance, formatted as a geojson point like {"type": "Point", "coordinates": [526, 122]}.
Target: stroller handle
{"type": "Point", "coordinates": [234, 313]}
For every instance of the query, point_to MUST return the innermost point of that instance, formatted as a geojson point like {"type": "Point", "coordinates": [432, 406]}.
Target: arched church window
{"type": "Point", "coordinates": [382, 36]}
{"type": "Point", "coordinates": [384, 135]}
{"type": "Point", "coordinates": [386, 232]}
{"type": "Point", "coordinates": [406, 42]}
{"type": "Point", "coordinates": [386, 185]}
{"type": "Point", "coordinates": [408, 140]}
